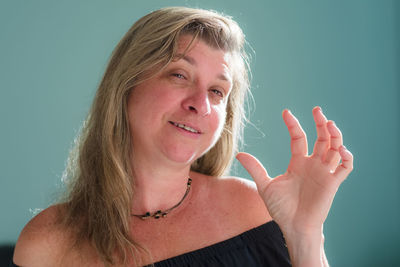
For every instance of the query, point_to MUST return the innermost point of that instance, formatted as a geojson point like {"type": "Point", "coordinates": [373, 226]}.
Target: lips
{"type": "Point", "coordinates": [185, 127]}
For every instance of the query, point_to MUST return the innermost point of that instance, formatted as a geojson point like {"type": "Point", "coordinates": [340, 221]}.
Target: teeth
{"type": "Point", "coordinates": [187, 128]}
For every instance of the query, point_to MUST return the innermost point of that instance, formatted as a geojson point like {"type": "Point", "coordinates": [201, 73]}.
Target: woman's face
{"type": "Point", "coordinates": [179, 114]}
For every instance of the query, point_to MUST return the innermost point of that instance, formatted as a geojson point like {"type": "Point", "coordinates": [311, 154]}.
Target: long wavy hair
{"type": "Point", "coordinates": [98, 174]}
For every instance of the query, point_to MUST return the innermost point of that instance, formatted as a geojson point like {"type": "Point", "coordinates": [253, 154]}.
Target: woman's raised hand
{"type": "Point", "coordinates": [299, 200]}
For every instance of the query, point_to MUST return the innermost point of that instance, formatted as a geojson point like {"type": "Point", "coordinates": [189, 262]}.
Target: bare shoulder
{"type": "Point", "coordinates": [240, 198]}
{"type": "Point", "coordinates": [41, 240]}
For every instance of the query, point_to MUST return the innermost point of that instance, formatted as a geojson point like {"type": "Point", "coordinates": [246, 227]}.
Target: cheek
{"type": "Point", "coordinates": [220, 116]}
{"type": "Point", "coordinates": [151, 104]}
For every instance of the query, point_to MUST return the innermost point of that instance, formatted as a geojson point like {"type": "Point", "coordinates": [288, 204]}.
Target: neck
{"type": "Point", "coordinates": [158, 187]}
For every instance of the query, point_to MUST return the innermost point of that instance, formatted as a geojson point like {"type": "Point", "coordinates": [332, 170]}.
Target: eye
{"type": "Point", "coordinates": [178, 75]}
{"type": "Point", "coordinates": [217, 92]}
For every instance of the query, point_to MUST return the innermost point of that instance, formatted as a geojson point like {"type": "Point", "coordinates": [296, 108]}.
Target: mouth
{"type": "Point", "coordinates": [185, 127]}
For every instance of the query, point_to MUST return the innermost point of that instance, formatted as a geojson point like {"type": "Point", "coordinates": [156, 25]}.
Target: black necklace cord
{"type": "Point", "coordinates": [162, 214]}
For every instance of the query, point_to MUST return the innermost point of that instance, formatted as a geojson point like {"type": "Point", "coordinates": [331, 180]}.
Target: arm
{"type": "Point", "coordinates": [299, 200]}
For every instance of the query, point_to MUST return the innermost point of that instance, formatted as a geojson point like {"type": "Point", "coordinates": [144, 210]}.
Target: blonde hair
{"type": "Point", "coordinates": [99, 173]}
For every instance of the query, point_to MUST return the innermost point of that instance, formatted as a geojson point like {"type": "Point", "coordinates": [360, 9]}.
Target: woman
{"type": "Point", "coordinates": [145, 177]}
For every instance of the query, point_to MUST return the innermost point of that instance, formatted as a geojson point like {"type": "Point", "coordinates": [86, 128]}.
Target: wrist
{"type": "Point", "coordinates": [306, 249]}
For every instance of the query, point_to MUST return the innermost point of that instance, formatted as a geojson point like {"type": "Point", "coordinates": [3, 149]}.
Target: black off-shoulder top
{"type": "Point", "coordinates": [260, 246]}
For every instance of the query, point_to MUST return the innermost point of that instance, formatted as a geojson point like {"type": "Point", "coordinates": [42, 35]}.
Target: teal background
{"type": "Point", "coordinates": [341, 55]}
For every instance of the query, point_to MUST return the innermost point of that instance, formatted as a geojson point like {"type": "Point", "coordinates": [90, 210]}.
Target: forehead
{"type": "Point", "coordinates": [191, 50]}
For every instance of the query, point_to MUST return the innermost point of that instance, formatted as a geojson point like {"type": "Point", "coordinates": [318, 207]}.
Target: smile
{"type": "Point", "coordinates": [185, 127]}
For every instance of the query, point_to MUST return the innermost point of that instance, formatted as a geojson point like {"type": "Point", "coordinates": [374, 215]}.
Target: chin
{"type": "Point", "coordinates": [184, 161]}
{"type": "Point", "coordinates": [181, 156]}
{"type": "Point", "coordinates": [185, 153]}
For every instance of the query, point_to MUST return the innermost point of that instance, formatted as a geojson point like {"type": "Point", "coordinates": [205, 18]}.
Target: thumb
{"type": "Point", "coordinates": [254, 167]}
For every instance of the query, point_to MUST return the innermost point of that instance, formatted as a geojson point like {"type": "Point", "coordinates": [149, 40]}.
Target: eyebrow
{"type": "Point", "coordinates": [193, 62]}
{"type": "Point", "coordinates": [190, 60]}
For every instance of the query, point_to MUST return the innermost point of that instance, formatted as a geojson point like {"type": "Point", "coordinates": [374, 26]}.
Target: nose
{"type": "Point", "coordinates": [198, 102]}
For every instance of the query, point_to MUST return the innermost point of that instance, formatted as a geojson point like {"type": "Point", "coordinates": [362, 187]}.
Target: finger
{"type": "Point", "coordinates": [336, 141]}
{"type": "Point", "coordinates": [322, 143]}
{"type": "Point", "coordinates": [255, 169]}
{"type": "Point", "coordinates": [344, 169]}
{"type": "Point", "coordinates": [298, 139]}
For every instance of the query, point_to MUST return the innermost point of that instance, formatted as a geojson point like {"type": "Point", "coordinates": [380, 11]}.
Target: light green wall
{"type": "Point", "coordinates": [342, 55]}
